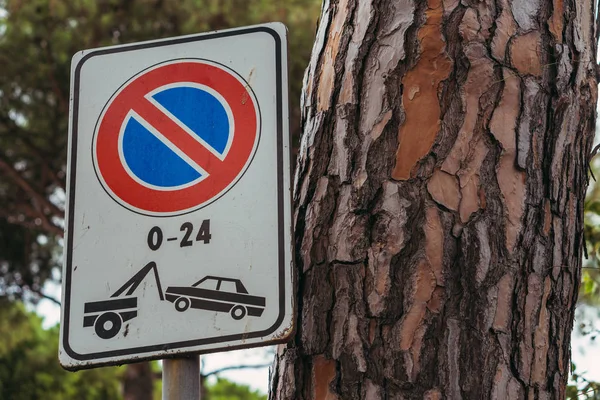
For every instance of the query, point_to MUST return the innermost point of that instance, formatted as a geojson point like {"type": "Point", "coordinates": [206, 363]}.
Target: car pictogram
{"type": "Point", "coordinates": [215, 293]}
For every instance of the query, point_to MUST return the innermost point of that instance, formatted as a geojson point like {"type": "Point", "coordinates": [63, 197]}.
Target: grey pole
{"type": "Point", "coordinates": [181, 378]}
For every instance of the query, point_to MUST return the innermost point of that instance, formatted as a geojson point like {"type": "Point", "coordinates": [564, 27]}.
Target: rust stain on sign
{"type": "Point", "coordinates": [420, 96]}
{"type": "Point", "coordinates": [246, 96]}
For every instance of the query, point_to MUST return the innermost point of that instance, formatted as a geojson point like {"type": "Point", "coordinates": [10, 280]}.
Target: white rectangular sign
{"type": "Point", "coordinates": [179, 219]}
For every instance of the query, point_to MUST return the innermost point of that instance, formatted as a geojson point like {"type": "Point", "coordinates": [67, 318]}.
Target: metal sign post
{"type": "Point", "coordinates": [178, 227]}
{"type": "Point", "coordinates": [181, 378]}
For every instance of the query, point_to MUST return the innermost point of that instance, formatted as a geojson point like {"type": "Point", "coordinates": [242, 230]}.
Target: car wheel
{"type": "Point", "coordinates": [182, 304]}
{"type": "Point", "coordinates": [108, 325]}
{"type": "Point", "coordinates": [238, 312]}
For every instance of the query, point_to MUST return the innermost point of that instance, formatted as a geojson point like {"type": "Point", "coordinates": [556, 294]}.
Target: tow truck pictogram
{"type": "Point", "coordinates": [228, 296]}
{"type": "Point", "coordinates": [107, 316]}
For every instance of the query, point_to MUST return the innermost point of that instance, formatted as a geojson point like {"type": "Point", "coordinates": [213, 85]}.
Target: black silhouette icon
{"type": "Point", "coordinates": [107, 316]}
{"type": "Point", "coordinates": [216, 293]}
{"type": "Point", "coordinates": [211, 293]}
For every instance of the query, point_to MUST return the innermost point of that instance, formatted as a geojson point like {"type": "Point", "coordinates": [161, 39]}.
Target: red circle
{"type": "Point", "coordinates": [222, 174]}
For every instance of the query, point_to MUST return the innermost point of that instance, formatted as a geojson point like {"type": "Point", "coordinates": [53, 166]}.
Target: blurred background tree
{"type": "Point", "coordinates": [37, 41]}
{"type": "Point", "coordinates": [590, 285]}
{"type": "Point", "coordinates": [588, 311]}
{"type": "Point", "coordinates": [28, 365]}
{"type": "Point", "coordinates": [223, 389]}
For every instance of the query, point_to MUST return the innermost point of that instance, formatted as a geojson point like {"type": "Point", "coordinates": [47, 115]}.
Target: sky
{"type": "Point", "coordinates": [586, 352]}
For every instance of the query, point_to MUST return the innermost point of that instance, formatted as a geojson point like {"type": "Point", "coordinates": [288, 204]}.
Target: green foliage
{"type": "Point", "coordinates": [590, 283]}
{"type": "Point", "coordinates": [580, 388]}
{"type": "Point", "coordinates": [29, 368]}
{"type": "Point", "coordinates": [37, 41]}
{"type": "Point", "coordinates": [224, 389]}
{"type": "Point", "coordinates": [24, 271]}
{"type": "Point", "coordinates": [157, 384]}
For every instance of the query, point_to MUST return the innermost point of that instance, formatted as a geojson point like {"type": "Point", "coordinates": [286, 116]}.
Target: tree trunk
{"type": "Point", "coordinates": [138, 381]}
{"type": "Point", "coordinates": [439, 200]}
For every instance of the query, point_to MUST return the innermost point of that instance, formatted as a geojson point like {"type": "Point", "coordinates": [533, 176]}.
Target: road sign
{"type": "Point", "coordinates": [178, 225]}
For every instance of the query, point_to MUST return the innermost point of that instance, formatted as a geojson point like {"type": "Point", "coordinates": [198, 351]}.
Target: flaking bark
{"type": "Point", "coordinates": [439, 200]}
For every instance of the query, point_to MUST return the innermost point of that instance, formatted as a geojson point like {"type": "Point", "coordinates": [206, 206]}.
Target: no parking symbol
{"type": "Point", "coordinates": [176, 137]}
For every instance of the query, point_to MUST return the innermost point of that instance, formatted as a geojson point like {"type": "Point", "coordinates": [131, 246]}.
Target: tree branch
{"type": "Point", "coordinates": [235, 367]}
{"type": "Point", "coordinates": [62, 101]}
{"type": "Point", "coordinates": [158, 375]}
{"type": "Point", "coordinates": [46, 224]}
{"type": "Point", "coordinates": [44, 296]}
{"type": "Point", "coordinates": [597, 22]}
{"type": "Point", "coordinates": [26, 186]}
{"type": "Point", "coordinates": [23, 136]}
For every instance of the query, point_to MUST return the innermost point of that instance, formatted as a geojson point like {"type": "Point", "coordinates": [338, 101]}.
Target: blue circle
{"type": "Point", "coordinates": [151, 160]}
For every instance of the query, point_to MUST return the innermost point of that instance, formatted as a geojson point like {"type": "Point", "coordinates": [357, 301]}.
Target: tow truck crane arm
{"type": "Point", "coordinates": [107, 316]}
{"type": "Point", "coordinates": [135, 281]}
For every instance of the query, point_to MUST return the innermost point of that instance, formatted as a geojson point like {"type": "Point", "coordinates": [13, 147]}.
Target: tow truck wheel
{"type": "Point", "coordinates": [108, 325]}
{"type": "Point", "coordinates": [182, 304]}
{"type": "Point", "coordinates": [238, 312]}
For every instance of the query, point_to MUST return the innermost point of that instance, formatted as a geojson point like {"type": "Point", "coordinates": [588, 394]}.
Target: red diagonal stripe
{"type": "Point", "coordinates": [176, 135]}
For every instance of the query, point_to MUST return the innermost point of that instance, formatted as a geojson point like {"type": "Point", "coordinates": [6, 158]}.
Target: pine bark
{"type": "Point", "coordinates": [439, 198]}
